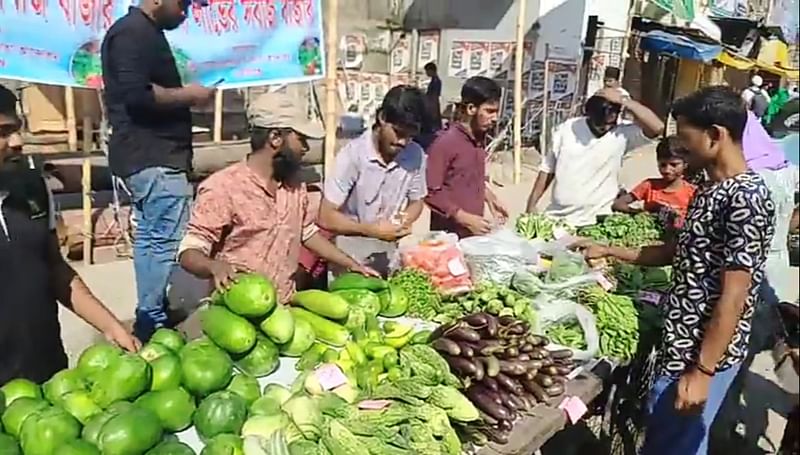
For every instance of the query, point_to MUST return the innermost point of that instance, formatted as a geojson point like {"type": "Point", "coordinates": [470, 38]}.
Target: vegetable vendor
{"type": "Point", "coordinates": [254, 215]}
{"type": "Point", "coordinates": [34, 277]}
{"type": "Point", "coordinates": [378, 184]}
{"type": "Point", "coordinates": [585, 157]}
{"type": "Point", "coordinates": [719, 259]}
{"type": "Point", "coordinates": [668, 196]}
{"type": "Point", "coordinates": [456, 173]}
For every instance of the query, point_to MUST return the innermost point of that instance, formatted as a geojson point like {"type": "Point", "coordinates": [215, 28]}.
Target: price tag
{"type": "Point", "coordinates": [574, 407]}
{"type": "Point", "coordinates": [603, 282]}
{"type": "Point", "coordinates": [456, 267]}
{"type": "Point", "coordinates": [374, 405]}
{"type": "Point", "coordinates": [330, 376]}
{"type": "Point", "coordinates": [559, 233]}
{"type": "Point", "coordinates": [653, 298]}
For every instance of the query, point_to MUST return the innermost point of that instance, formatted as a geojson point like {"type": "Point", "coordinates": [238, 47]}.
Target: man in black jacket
{"type": "Point", "coordinates": [151, 143]}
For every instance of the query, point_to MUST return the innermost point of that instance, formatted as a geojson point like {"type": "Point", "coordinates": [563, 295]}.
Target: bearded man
{"type": "Point", "coordinates": [255, 215]}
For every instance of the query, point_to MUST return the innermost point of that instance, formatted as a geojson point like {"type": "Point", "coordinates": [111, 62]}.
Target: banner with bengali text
{"type": "Point", "coordinates": [241, 42]}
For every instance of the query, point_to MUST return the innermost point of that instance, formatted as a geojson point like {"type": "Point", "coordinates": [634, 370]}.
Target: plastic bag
{"type": "Point", "coordinates": [566, 265]}
{"type": "Point", "coordinates": [497, 256]}
{"type": "Point", "coordinates": [551, 311]}
{"type": "Point", "coordinates": [438, 255]}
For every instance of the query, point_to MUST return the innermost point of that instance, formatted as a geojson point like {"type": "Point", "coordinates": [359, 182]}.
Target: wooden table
{"type": "Point", "coordinates": [533, 431]}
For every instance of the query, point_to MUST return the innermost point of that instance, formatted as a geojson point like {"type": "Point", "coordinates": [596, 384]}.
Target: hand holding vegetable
{"type": "Point", "coordinates": [224, 274]}
{"type": "Point", "coordinates": [366, 271]}
{"type": "Point", "coordinates": [118, 335]}
{"type": "Point", "coordinates": [591, 250]}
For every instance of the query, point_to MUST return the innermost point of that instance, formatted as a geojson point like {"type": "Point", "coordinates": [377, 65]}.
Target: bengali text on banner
{"type": "Point", "coordinates": [241, 42]}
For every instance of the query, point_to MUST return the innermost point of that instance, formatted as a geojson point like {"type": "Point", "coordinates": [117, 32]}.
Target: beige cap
{"type": "Point", "coordinates": [279, 110]}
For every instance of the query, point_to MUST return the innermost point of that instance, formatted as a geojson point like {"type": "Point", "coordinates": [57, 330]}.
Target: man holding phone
{"type": "Point", "coordinates": [151, 143]}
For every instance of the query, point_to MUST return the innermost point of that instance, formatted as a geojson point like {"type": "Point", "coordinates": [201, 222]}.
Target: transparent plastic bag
{"type": "Point", "coordinates": [566, 265]}
{"type": "Point", "coordinates": [438, 255]}
{"type": "Point", "coordinates": [498, 256]}
{"type": "Point", "coordinates": [551, 311]}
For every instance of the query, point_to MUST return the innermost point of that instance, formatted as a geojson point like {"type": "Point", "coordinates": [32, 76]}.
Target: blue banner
{"type": "Point", "coordinates": [243, 42]}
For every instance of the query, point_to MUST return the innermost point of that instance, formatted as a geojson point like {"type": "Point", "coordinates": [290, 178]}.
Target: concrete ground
{"type": "Point", "coordinates": [766, 404]}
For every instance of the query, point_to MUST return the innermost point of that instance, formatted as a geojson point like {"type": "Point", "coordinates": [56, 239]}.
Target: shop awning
{"type": "Point", "coordinates": [743, 63]}
{"type": "Point", "coordinates": [681, 46]}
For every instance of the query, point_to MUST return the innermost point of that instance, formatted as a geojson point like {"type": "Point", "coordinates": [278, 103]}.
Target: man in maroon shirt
{"type": "Point", "coordinates": [456, 168]}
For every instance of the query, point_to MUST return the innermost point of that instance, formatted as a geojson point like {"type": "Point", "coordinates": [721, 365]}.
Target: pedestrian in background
{"type": "Point", "coordinates": [151, 144]}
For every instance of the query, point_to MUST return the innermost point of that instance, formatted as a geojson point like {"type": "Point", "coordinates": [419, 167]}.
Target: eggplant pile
{"type": "Point", "coordinates": [506, 369]}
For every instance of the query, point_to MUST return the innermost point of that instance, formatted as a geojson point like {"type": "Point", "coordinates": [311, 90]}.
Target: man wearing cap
{"type": "Point", "coordinates": [255, 215]}
{"type": "Point", "coordinates": [150, 146]}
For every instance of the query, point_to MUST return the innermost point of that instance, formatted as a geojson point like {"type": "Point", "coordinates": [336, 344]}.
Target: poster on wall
{"type": "Point", "coordinates": [353, 49]}
{"type": "Point", "coordinates": [479, 59]}
{"type": "Point", "coordinates": [245, 43]}
{"type": "Point", "coordinates": [457, 64]}
{"type": "Point", "coordinates": [401, 56]}
{"type": "Point", "coordinates": [499, 54]}
{"type": "Point", "coordinates": [428, 49]}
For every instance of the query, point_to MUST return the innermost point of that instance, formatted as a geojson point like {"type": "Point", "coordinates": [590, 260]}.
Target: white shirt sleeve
{"type": "Point", "coordinates": [634, 136]}
{"type": "Point", "coordinates": [548, 164]}
{"type": "Point", "coordinates": [747, 96]}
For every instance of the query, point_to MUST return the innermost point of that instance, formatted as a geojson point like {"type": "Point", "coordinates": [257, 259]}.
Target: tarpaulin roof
{"type": "Point", "coordinates": [743, 63]}
{"type": "Point", "coordinates": [682, 46]}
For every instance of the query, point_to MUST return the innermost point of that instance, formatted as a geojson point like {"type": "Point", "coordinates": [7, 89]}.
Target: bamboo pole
{"type": "Point", "coordinates": [414, 80]}
{"type": "Point", "coordinates": [331, 60]}
{"type": "Point", "coordinates": [545, 133]}
{"type": "Point", "coordinates": [86, 192]}
{"type": "Point", "coordinates": [518, 95]}
{"type": "Point", "coordinates": [218, 111]}
{"type": "Point", "coordinates": [72, 126]}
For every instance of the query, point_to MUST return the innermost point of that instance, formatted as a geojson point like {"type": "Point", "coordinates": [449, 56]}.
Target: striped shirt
{"type": "Point", "coordinates": [367, 188]}
{"type": "Point", "coordinates": [237, 219]}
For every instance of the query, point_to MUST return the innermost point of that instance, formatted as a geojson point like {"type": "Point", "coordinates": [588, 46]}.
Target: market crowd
{"type": "Point", "coordinates": [724, 190]}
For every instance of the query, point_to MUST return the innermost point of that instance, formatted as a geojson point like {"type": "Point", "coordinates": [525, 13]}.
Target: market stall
{"type": "Point", "coordinates": [481, 346]}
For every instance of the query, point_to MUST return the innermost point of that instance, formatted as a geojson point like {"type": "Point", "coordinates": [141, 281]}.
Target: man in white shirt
{"type": "Point", "coordinates": [756, 99]}
{"type": "Point", "coordinates": [585, 157]}
{"type": "Point", "coordinates": [611, 80]}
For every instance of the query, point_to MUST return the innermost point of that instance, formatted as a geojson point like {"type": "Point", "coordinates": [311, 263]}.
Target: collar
{"type": "Point", "coordinates": [138, 11]}
{"type": "Point", "coordinates": [375, 157]}
{"type": "Point", "coordinates": [467, 133]}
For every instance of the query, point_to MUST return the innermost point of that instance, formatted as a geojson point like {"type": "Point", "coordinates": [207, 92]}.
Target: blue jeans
{"type": "Point", "coordinates": [670, 433]}
{"type": "Point", "coordinates": [161, 202]}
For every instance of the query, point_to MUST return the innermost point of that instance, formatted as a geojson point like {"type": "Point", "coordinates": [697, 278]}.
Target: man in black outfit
{"type": "Point", "coordinates": [151, 143]}
{"type": "Point", "coordinates": [34, 277]}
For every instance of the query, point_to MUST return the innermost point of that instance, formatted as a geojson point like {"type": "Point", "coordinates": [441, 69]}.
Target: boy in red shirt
{"type": "Point", "coordinates": [667, 196]}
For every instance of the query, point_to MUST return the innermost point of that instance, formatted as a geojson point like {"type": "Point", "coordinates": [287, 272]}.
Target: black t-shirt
{"type": "Point", "coordinates": [30, 334]}
{"type": "Point", "coordinates": [136, 55]}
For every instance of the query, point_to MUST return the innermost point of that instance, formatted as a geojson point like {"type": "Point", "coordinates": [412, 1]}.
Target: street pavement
{"type": "Point", "coordinates": [766, 404]}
